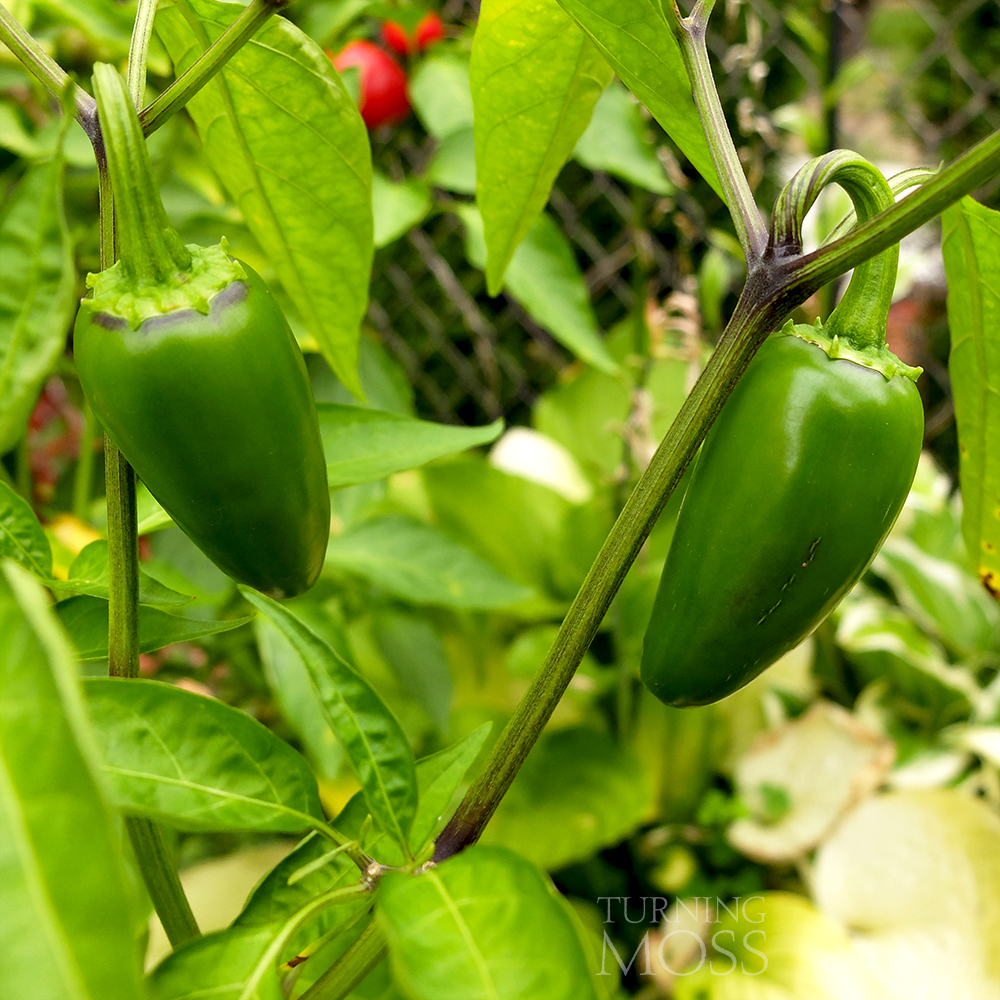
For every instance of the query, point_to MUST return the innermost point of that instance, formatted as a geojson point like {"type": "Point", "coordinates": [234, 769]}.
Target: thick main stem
{"type": "Point", "coordinates": [756, 315]}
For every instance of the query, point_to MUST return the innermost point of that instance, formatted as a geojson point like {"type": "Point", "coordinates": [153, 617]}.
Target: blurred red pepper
{"type": "Point", "coordinates": [382, 97]}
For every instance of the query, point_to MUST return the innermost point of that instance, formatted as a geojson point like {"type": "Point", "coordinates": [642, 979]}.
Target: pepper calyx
{"type": "Point", "coordinates": [119, 294]}
{"type": "Point", "coordinates": [878, 358]}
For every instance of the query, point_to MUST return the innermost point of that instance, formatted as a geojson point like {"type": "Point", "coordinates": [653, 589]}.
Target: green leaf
{"type": "Point", "coordinates": [483, 924]}
{"type": "Point", "coordinates": [416, 562]}
{"type": "Point", "coordinates": [514, 524]}
{"type": "Point", "coordinates": [942, 597]}
{"type": "Point", "coordinates": [397, 208]}
{"type": "Point", "coordinates": [415, 651]}
{"type": "Point", "coordinates": [21, 536]}
{"type": "Point", "coordinates": [884, 644]}
{"type": "Point", "coordinates": [67, 929]}
{"type": "Point", "coordinates": [971, 245]}
{"type": "Point", "coordinates": [289, 681]}
{"type": "Point", "coordinates": [104, 22]}
{"type": "Point", "coordinates": [218, 966]}
{"type": "Point", "coordinates": [439, 92]}
{"type": "Point", "coordinates": [617, 142]}
{"type": "Point", "coordinates": [360, 719]}
{"type": "Point", "coordinates": [276, 114]}
{"type": "Point", "coordinates": [638, 40]}
{"type": "Point", "coordinates": [85, 619]}
{"type": "Point", "coordinates": [37, 294]}
{"type": "Point", "coordinates": [580, 786]}
{"type": "Point", "coordinates": [196, 763]}
{"type": "Point", "coordinates": [545, 279]}
{"type": "Point", "coordinates": [362, 445]}
{"type": "Point", "coordinates": [89, 573]}
{"type": "Point", "coordinates": [535, 78]}
{"type": "Point", "coordinates": [453, 165]}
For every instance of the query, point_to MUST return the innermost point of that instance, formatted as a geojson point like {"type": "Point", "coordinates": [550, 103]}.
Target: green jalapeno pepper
{"type": "Point", "coordinates": [191, 367]}
{"type": "Point", "coordinates": [796, 487]}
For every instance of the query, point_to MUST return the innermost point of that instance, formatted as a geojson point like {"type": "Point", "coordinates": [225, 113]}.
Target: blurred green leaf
{"type": "Point", "coordinates": [263, 141]}
{"type": "Point", "coordinates": [104, 22]}
{"type": "Point", "coordinates": [360, 720]}
{"type": "Point", "coordinates": [196, 763]}
{"type": "Point", "coordinates": [453, 164]}
{"type": "Point", "coordinates": [362, 444]}
{"type": "Point", "coordinates": [514, 524]}
{"type": "Point", "coordinates": [971, 246]}
{"type": "Point", "coordinates": [944, 598]}
{"type": "Point", "coordinates": [616, 141]}
{"type": "Point", "coordinates": [37, 294]}
{"type": "Point", "coordinates": [580, 786]}
{"type": "Point", "coordinates": [439, 92]}
{"type": "Point", "coordinates": [535, 78]}
{"type": "Point", "coordinates": [21, 536]}
{"type": "Point", "coordinates": [397, 208]}
{"type": "Point", "coordinates": [454, 931]}
{"type": "Point", "coordinates": [545, 279]}
{"type": "Point", "coordinates": [883, 643]}
{"type": "Point", "coordinates": [85, 619]}
{"type": "Point", "coordinates": [67, 929]}
{"type": "Point", "coordinates": [416, 562]}
{"type": "Point", "coordinates": [637, 38]}
{"type": "Point", "coordinates": [415, 651]}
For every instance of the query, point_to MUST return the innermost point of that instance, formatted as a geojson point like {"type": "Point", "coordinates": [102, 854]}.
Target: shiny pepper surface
{"type": "Point", "coordinates": [215, 414]}
{"type": "Point", "coordinates": [796, 487]}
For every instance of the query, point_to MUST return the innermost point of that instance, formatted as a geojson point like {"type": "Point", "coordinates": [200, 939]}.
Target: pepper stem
{"type": "Point", "coordinates": [860, 318]}
{"type": "Point", "coordinates": [149, 249]}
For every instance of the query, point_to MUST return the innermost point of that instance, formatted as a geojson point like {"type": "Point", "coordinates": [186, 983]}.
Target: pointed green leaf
{"type": "Point", "coordinates": [483, 925]}
{"type": "Point", "coordinates": [66, 930]}
{"type": "Point", "coordinates": [545, 279]}
{"type": "Point", "coordinates": [360, 719]}
{"type": "Point", "coordinates": [197, 763]}
{"type": "Point", "coordinates": [638, 40]}
{"type": "Point", "coordinates": [415, 561]}
{"type": "Point", "coordinates": [535, 78]}
{"type": "Point", "coordinates": [277, 114]}
{"type": "Point", "coordinates": [85, 619]}
{"type": "Point", "coordinates": [362, 445]}
{"type": "Point", "coordinates": [37, 294]}
{"type": "Point", "coordinates": [971, 245]}
{"type": "Point", "coordinates": [21, 536]}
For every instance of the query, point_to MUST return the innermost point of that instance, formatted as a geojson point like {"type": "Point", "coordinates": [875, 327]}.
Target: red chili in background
{"type": "Point", "coordinates": [382, 97]}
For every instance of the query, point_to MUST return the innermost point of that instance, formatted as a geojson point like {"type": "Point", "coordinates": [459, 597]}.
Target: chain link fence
{"type": "Point", "coordinates": [907, 81]}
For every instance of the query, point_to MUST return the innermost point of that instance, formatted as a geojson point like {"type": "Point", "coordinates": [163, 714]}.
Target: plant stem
{"type": "Point", "coordinates": [773, 289]}
{"type": "Point", "coordinates": [160, 878]}
{"type": "Point", "coordinates": [359, 959]}
{"type": "Point", "coordinates": [138, 52]}
{"type": "Point", "coordinates": [208, 64]}
{"type": "Point", "coordinates": [746, 216]}
{"type": "Point", "coordinates": [45, 69]}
